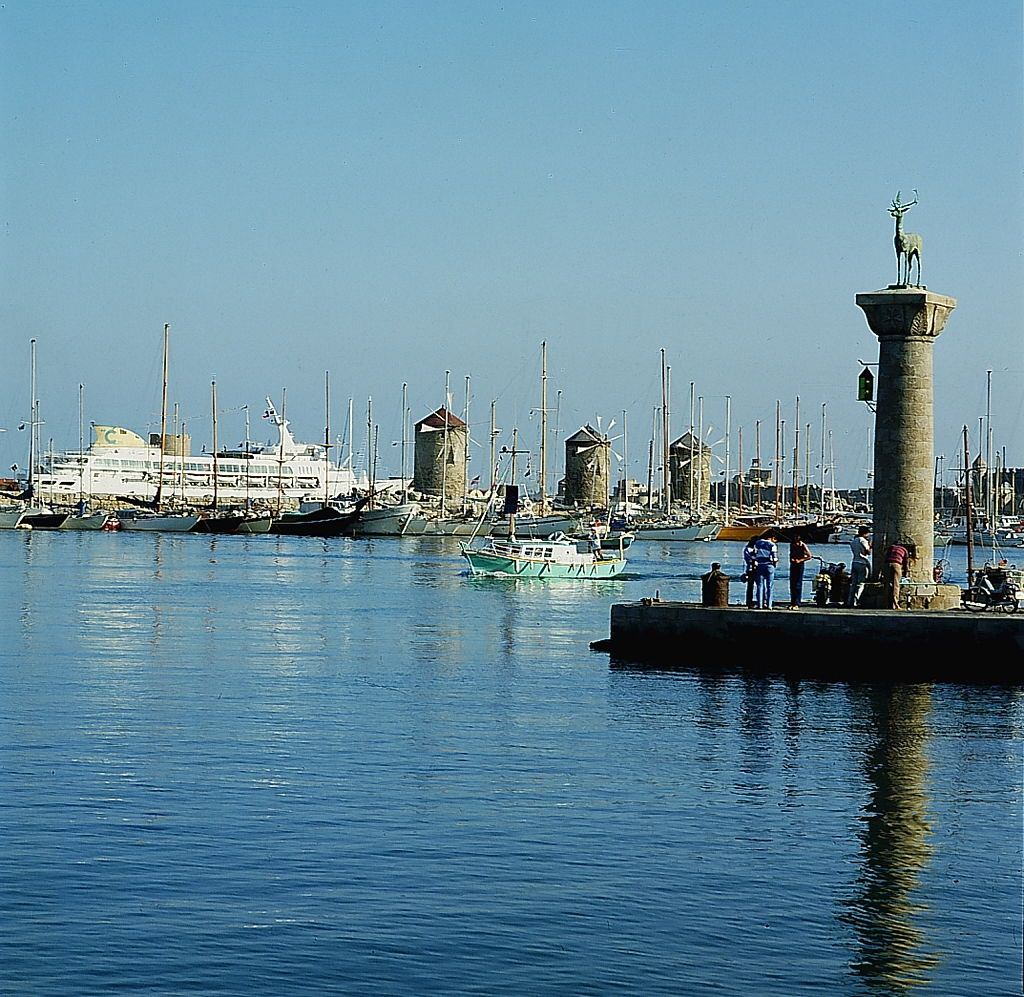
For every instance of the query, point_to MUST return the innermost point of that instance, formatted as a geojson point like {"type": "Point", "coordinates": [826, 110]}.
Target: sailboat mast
{"type": "Point", "coordinates": [969, 509]}
{"type": "Point", "coordinates": [280, 453]}
{"type": "Point", "coordinates": [81, 455]}
{"type": "Point", "coordinates": [405, 428]}
{"type": "Point", "coordinates": [543, 426]}
{"type": "Point", "coordinates": [757, 461]}
{"type": "Point", "coordinates": [213, 408]}
{"type": "Point", "coordinates": [494, 437]}
{"type": "Point", "coordinates": [728, 440]}
{"type": "Point", "coordinates": [796, 459]}
{"type": "Point", "coordinates": [248, 457]}
{"type": "Point", "coordinates": [371, 475]}
{"type": "Point", "coordinates": [163, 420]}
{"type": "Point", "coordinates": [666, 476]}
{"type": "Point", "coordinates": [444, 443]}
{"type": "Point", "coordinates": [327, 436]}
{"type": "Point", "coordinates": [778, 462]}
{"type": "Point", "coordinates": [625, 466]}
{"type": "Point", "coordinates": [33, 422]}
{"type": "Point", "coordinates": [741, 476]}
{"type": "Point", "coordinates": [700, 455]}
{"type": "Point", "coordinates": [822, 476]}
{"type": "Point", "coordinates": [690, 498]}
{"type": "Point", "coordinates": [512, 481]}
{"type": "Point", "coordinates": [465, 456]}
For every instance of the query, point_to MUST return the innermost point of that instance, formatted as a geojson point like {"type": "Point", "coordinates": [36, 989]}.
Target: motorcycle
{"type": "Point", "coordinates": [995, 586]}
{"type": "Point", "coordinates": [831, 584]}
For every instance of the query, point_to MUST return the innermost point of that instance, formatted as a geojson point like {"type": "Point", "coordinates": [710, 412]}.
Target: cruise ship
{"type": "Point", "coordinates": [120, 464]}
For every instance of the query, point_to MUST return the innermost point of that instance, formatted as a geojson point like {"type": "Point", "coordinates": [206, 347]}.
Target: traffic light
{"type": "Point", "coordinates": [866, 386]}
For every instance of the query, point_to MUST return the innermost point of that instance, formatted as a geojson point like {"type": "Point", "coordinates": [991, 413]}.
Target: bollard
{"type": "Point", "coordinates": [714, 587]}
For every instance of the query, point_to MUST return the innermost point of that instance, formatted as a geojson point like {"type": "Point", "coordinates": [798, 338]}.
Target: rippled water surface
{"type": "Point", "coordinates": [285, 765]}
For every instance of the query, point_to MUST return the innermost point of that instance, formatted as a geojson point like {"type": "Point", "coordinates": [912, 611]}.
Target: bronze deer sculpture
{"type": "Point", "coordinates": [908, 244]}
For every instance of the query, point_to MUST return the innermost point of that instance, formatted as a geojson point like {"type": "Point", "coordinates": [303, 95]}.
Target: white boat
{"type": "Point", "coordinates": [120, 464]}
{"type": "Point", "coordinates": [553, 557]}
{"type": "Point", "coordinates": [11, 517]}
{"type": "Point", "coordinates": [387, 521]}
{"type": "Point", "coordinates": [165, 522]}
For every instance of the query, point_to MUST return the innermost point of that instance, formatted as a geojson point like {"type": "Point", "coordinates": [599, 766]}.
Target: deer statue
{"type": "Point", "coordinates": [908, 244]}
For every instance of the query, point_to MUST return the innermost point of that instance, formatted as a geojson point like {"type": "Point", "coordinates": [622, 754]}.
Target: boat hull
{"type": "Point", "coordinates": [158, 524]}
{"type": "Point", "coordinates": [517, 557]}
{"type": "Point", "coordinates": [10, 519]}
{"type": "Point", "coordinates": [95, 521]}
{"type": "Point", "coordinates": [691, 532]}
{"type": "Point", "coordinates": [256, 524]}
{"type": "Point", "coordinates": [36, 520]}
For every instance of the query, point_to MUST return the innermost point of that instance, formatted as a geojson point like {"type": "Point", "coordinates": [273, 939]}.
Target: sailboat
{"type": "Point", "coordinates": [154, 518]}
{"type": "Point", "coordinates": [36, 516]}
{"type": "Point", "coordinates": [554, 557]}
{"type": "Point", "coordinates": [82, 518]}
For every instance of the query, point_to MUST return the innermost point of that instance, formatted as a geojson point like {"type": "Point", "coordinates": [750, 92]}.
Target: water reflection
{"type": "Point", "coordinates": [895, 843]}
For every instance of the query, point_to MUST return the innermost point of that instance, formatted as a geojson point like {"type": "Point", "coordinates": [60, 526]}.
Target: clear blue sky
{"type": "Point", "coordinates": [387, 191]}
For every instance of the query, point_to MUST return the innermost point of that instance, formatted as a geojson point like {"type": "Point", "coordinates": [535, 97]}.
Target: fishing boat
{"type": "Point", "coordinates": [557, 556]}
{"type": "Point", "coordinates": [554, 557]}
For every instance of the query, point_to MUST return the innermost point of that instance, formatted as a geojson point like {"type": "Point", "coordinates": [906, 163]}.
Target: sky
{"type": "Point", "coordinates": [366, 195]}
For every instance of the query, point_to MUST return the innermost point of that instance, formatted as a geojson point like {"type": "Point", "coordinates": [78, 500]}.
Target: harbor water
{"type": "Point", "coordinates": [287, 765]}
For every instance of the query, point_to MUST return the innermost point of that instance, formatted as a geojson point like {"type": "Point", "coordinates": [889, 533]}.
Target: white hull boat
{"type": "Point", "coordinates": [166, 522]}
{"type": "Point", "coordinates": [10, 519]}
{"type": "Point", "coordinates": [555, 557]}
{"type": "Point", "coordinates": [119, 464]}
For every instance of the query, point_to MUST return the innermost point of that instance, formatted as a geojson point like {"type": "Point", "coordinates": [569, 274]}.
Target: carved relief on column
{"type": "Point", "coordinates": [906, 313]}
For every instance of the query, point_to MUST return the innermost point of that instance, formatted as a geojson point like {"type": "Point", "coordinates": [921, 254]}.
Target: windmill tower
{"type": "Point", "coordinates": [440, 455]}
{"type": "Point", "coordinates": [688, 450]}
{"type": "Point", "coordinates": [587, 465]}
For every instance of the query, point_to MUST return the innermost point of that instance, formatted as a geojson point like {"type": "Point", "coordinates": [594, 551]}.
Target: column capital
{"type": "Point", "coordinates": [906, 312]}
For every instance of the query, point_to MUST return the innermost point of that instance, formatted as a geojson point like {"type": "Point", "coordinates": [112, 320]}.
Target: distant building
{"type": "Point", "coordinates": [440, 456]}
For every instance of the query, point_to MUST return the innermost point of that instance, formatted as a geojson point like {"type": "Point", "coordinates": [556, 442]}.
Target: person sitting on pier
{"type": "Point", "coordinates": [860, 568]}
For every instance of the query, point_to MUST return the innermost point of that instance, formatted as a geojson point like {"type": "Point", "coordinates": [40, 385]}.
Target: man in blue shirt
{"type": "Point", "coordinates": [766, 560]}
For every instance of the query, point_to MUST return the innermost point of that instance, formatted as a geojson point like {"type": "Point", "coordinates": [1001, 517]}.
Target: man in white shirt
{"type": "Point", "coordinates": [860, 547]}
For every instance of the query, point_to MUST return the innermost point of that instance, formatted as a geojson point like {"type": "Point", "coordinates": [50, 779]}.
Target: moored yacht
{"type": "Point", "coordinates": [120, 464]}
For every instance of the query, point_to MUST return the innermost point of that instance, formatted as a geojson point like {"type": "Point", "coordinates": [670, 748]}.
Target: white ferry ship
{"type": "Point", "coordinates": [121, 464]}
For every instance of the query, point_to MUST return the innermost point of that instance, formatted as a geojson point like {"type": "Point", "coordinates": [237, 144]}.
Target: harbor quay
{"type": "Point", "coordinates": [830, 643]}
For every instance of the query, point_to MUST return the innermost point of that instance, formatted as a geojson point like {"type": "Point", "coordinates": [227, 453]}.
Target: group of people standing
{"type": "Point", "coordinates": [761, 559]}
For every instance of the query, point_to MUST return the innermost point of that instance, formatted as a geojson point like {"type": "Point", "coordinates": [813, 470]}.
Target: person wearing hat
{"type": "Point", "coordinates": [860, 568]}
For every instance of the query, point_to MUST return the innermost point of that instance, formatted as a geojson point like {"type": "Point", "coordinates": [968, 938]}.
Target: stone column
{"type": "Point", "coordinates": [906, 320]}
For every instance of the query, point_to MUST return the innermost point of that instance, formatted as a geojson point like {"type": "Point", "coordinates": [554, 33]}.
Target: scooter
{"type": "Point", "coordinates": [832, 584]}
{"type": "Point", "coordinates": [994, 587]}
